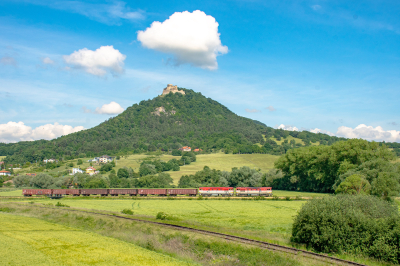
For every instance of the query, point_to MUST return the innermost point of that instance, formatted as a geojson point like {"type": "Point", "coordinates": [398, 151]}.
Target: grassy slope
{"type": "Point", "coordinates": [30, 241]}
{"type": "Point", "coordinates": [218, 161]}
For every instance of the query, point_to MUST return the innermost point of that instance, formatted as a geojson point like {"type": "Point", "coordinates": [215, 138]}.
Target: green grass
{"type": "Point", "coordinates": [2, 157]}
{"type": "Point", "coordinates": [267, 216]}
{"type": "Point", "coordinates": [284, 193]}
{"type": "Point", "coordinates": [30, 241]}
{"type": "Point", "coordinates": [11, 193]}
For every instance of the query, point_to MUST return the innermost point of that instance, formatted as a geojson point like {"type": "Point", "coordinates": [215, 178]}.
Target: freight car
{"type": "Point", "coordinates": [152, 191]}
{"type": "Point", "coordinates": [88, 192]}
{"type": "Point", "coordinates": [30, 192]}
{"type": "Point", "coordinates": [62, 192]}
{"type": "Point", "coordinates": [216, 191]}
{"type": "Point", "coordinates": [203, 191]}
{"type": "Point", "coordinates": [182, 191]}
{"type": "Point", "coordinates": [123, 191]}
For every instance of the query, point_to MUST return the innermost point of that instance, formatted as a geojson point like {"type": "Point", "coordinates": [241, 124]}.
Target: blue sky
{"type": "Point", "coordinates": [320, 65]}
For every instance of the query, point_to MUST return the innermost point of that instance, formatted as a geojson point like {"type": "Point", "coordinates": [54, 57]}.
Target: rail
{"type": "Point", "coordinates": [262, 244]}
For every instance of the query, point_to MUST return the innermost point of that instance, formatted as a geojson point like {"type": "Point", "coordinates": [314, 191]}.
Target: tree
{"type": "Point", "coordinates": [354, 184]}
{"type": "Point", "coordinates": [106, 167]}
{"type": "Point", "coordinates": [386, 185]}
{"type": "Point", "coordinates": [176, 153]}
{"type": "Point", "coordinates": [123, 173]}
{"type": "Point", "coordinates": [147, 169]}
{"type": "Point", "coordinates": [114, 180]}
{"type": "Point", "coordinates": [79, 162]}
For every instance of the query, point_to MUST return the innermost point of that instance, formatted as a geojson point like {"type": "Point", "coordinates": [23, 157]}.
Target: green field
{"type": "Point", "coordinates": [2, 157]}
{"type": "Point", "coordinates": [30, 241]}
{"type": "Point", "coordinates": [267, 216]}
{"type": "Point", "coordinates": [10, 193]}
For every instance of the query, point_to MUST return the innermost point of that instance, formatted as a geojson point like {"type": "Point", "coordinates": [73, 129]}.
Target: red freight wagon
{"type": "Point", "coordinates": [182, 191]}
{"type": "Point", "coordinates": [87, 192]}
{"type": "Point", "coordinates": [116, 192]}
{"type": "Point", "coordinates": [74, 192]}
{"type": "Point", "coordinates": [30, 192]}
{"type": "Point", "coordinates": [216, 191]}
{"type": "Point", "coordinates": [152, 191]}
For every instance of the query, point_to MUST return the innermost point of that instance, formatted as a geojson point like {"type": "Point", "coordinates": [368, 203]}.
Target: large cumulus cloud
{"type": "Point", "coordinates": [18, 131]}
{"type": "Point", "coordinates": [97, 62]}
{"type": "Point", "coordinates": [191, 38]}
{"type": "Point", "coordinates": [369, 133]}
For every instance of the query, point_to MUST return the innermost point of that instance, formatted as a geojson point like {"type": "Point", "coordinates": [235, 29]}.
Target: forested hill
{"type": "Point", "coordinates": [165, 123]}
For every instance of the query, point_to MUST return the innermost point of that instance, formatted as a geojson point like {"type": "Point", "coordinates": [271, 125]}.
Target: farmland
{"type": "Point", "coordinates": [219, 161]}
{"type": "Point", "coordinates": [30, 241]}
{"type": "Point", "coordinates": [267, 216]}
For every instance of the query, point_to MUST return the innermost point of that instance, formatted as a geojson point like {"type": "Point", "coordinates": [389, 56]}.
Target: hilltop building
{"type": "Point", "coordinates": [173, 89]}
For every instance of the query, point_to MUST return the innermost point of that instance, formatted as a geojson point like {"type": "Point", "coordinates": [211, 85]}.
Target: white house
{"type": "Point", "coordinates": [4, 172]}
{"type": "Point", "coordinates": [76, 170]}
{"type": "Point", "coordinates": [49, 160]}
{"type": "Point", "coordinates": [105, 159]}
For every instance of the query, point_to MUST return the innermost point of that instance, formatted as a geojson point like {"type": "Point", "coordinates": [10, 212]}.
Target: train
{"type": "Point", "coordinates": [192, 192]}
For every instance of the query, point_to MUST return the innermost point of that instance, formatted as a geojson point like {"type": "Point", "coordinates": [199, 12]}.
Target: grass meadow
{"type": "Point", "coordinates": [239, 215]}
{"type": "Point", "coordinates": [30, 241]}
{"type": "Point", "coordinates": [83, 239]}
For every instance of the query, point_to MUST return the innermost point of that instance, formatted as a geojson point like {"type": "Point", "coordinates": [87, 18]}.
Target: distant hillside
{"type": "Point", "coordinates": [164, 123]}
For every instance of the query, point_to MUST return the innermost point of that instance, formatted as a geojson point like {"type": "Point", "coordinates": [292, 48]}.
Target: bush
{"type": "Point", "coordinates": [59, 204]}
{"type": "Point", "coordinates": [176, 153]}
{"type": "Point", "coordinates": [354, 224]}
{"type": "Point", "coordinates": [161, 216]}
{"type": "Point", "coordinates": [127, 211]}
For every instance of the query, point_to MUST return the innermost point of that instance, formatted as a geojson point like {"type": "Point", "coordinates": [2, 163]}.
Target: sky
{"type": "Point", "coordinates": [317, 65]}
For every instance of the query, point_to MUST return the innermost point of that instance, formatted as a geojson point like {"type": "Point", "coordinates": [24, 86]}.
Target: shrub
{"type": "Point", "coordinates": [354, 224]}
{"type": "Point", "coordinates": [127, 211]}
{"type": "Point", "coordinates": [59, 204]}
{"type": "Point", "coordinates": [161, 216]}
{"type": "Point", "coordinates": [6, 209]}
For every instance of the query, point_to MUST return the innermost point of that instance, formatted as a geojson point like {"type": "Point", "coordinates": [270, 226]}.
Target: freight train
{"type": "Point", "coordinates": [202, 191]}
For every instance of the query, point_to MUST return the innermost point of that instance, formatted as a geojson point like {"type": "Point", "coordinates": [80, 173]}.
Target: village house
{"type": "Point", "coordinates": [76, 171]}
{"type": "Point", "coordinates": [31, 174]}
{"type": "Point", "coordinates": [185, 148]}
{"type": "Point", "coordinates": [91, 171]}
{"type": "Point", "coordinates": [105, 159]}
{"type": "Point", "coordinates": [5, 173]}
{"type": "Point", "coordinates": [50, 161]}
{"type": "Point", "coordinates": [102, 159]}
{"type": "Point", "coordinates": [197, 150]}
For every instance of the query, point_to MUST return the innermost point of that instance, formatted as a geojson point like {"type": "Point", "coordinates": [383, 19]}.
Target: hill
{"type": "Point", "coordinates": [165, 123]}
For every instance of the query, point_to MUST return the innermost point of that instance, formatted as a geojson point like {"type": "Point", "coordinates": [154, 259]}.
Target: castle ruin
{"type": "Point", "coordinates": [172, 88]}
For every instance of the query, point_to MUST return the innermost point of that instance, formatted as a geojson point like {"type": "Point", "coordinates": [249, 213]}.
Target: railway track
{"type": "Point", "coordinates": [261, 244]}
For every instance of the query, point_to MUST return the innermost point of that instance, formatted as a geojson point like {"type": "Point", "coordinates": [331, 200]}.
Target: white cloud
{"type": "Point", "coordinates": [105, 13]}
{"type": "Point", "coordinates": [252, 110]}
{"type": "Point", "coordinates": [369, 133]}
{"type": "Point", "coordinates": [97, 62]}
{"type": "Point", "coordinates": [190, 37]}
{"type": "Point", "coordinates": [270, 108]}
{"type": "Point", "coordinates": [8, 60]}
{"type": "Point", "coordinates": [47, 61]}
{"type": "Point", "coordinates": [317, 130]}
{"type": "Point", "coordinates": [288, 127]}
{"type": "Point", "coordinates": [14, 132]}
{"type": "Point", "coordinates": [112, 108]}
